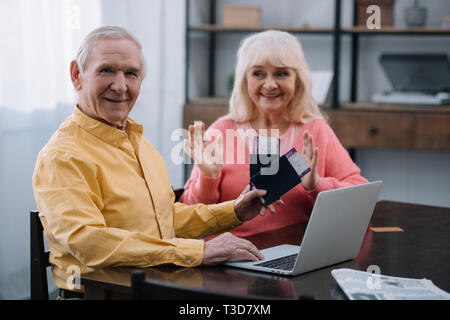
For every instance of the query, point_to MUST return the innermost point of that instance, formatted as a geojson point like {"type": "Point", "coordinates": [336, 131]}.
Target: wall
{"type": "Point", "coordinates": [410, 176]}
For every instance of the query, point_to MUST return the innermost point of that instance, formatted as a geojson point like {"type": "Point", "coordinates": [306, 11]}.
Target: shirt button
{"type": "Point", "coordinates": [188, 261]}
{"type": "Point", "coordinates": [115, 143]}
{"type": "Point", "coordinates": [155, 261]}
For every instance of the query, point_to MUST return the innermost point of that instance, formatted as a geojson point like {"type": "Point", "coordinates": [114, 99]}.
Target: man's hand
{"type": "Point", "coordinates": [227, 247]}
{"type": "Point", "coordinates": [248, 205]}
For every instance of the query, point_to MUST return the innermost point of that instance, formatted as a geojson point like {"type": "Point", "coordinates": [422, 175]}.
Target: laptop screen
{"type": "Point", "coordinates": [427, 73]}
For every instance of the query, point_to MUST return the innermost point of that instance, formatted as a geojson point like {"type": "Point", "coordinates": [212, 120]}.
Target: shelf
{"type": "Point", "coordinates": [348, 106]}
{"type": "Point", "coordinates": [361, 125]}
{"type": "Point", "coordinates": [396, 108]}
{"type": "Point", "coordinates": [357, 125]}
{"type": "Point", "coordinates": [398, 31]}
{"type": "Point", "coordinates": [213, 28]}
{"type": "Point", "coordinates": [224, 29]}
{"type": "Point", "coordinates": [209, 101]}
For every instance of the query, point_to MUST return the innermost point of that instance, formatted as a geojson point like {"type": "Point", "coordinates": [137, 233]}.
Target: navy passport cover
{"type": "Point", "coordinates": [277, 184]}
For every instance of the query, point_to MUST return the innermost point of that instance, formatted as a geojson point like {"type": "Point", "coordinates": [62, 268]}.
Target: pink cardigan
{"type": "Point", "coordinates": [335, 168]}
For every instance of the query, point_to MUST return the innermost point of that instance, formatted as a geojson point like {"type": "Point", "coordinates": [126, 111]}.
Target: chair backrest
{"type": "Point", "coordinates": [178, 193]}
{"type": "Point", "coordinates": [151, 289]}
{"type": "Point", "coordinates": [39, 259]}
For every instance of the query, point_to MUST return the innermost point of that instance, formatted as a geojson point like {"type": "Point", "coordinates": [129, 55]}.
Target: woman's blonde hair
{"type": "Point", "coordinates": [279, 49]}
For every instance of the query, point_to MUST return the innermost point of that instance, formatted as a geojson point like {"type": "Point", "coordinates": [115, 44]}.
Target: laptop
{"type": "Point", "coordinates": [334, 233]}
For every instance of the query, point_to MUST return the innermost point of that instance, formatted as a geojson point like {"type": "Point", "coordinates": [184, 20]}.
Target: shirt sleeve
{"type": "Point", "coordinates": [70, 199]}
{"type": "Point", "coordinates": [198, 221]}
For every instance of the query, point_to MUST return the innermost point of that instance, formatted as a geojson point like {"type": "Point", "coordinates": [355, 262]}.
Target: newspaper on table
{"type": "Point", "coordinates": [360, 285]}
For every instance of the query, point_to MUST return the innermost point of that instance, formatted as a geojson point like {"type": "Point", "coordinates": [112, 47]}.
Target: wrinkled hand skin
{"type": "Point", "coordinates": [228, 247]}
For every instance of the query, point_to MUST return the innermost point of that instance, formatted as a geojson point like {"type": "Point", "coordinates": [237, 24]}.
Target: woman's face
{"type": "Point", "coordinates": [271, 88]}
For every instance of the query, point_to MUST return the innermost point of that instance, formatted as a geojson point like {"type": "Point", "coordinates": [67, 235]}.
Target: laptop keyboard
{"type": "Point", "coordinates": [283, 263]}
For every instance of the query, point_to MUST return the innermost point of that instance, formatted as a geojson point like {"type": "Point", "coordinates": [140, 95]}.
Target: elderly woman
{"type": "Point", "coordinates": [272, 90]}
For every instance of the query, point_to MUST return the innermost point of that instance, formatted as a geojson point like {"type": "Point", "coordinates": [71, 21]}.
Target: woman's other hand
{"type": "Point", "coordinates": [310, 154]}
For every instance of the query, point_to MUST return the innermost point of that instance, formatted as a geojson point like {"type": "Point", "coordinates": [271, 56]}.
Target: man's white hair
{"type": "Point", "coordinates": [106, 32]}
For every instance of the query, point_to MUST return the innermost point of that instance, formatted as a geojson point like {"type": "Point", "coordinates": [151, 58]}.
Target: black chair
{"type": "Point", "coordinates": [151, 289]}
{"type": "Point", "coordinates": [178, 193]}
{"type": "Point", "coordinates": [39, 259]}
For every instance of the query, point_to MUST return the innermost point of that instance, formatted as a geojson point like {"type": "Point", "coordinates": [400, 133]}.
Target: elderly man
{"type": "Point", "coordinates": [102, 189]}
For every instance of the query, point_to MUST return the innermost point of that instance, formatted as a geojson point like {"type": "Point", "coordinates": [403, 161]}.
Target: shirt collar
{"type": "Point", "coordinates": [103, 131]}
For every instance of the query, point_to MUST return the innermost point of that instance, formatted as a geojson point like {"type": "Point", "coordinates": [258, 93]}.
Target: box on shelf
{"type": "Point", "coordinates": [386, 11]}
{"type": "Point", "coordinates": [446, 22]}
{"type": "Point", "coordinates": [241, 16]}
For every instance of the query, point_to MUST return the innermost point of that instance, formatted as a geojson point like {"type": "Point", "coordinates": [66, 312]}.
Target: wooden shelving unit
{"type": "Point", "coordinates": [369, 125]}
{"type": "Point", "coordinates": [362, 125]}
{"type": "Point", "coordinates": [399, 30]}
{"type": "Point", "coordinates": [211, 30]}
{"type": "Point", "coordinates": [219, 28]}
{"type": "Point", "coordinates": [357, 124]}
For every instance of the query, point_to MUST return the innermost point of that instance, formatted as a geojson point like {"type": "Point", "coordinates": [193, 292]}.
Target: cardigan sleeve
{"type": "Point", "coordinates": [336, 168]}
{"type": "Point", "coordinates": [200, 188]}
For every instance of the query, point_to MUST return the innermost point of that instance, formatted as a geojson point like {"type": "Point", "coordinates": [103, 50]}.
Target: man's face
{"type": "Point", "coordinates": [110, 84]}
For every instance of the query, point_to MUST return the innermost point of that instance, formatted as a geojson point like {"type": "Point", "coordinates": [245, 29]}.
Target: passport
{"type": "Point", "coordinates": [280, 175]}
{"type": "Point", "coordinates": [265, 150]}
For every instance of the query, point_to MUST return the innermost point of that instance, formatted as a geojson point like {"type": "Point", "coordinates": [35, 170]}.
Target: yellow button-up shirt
{"type": "Point", "coordinates": [105, 199]}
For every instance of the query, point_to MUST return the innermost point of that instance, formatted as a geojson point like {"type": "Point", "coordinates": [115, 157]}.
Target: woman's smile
{"type": "Point", "coordinates": [271, 96]}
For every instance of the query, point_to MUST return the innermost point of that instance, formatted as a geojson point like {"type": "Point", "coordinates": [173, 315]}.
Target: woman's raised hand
{"type": "Point", "coordinates": [310, 154]}
{"type": "Point", "coordinates": [203, 151]}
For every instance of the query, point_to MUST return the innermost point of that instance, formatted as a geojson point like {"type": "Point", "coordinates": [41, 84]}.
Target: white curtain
{"type": "Point", "coordinates": [39, 38]}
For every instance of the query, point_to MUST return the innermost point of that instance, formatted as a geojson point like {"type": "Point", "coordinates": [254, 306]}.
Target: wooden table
{"type": "Point", "coordinates": [420, 251]}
